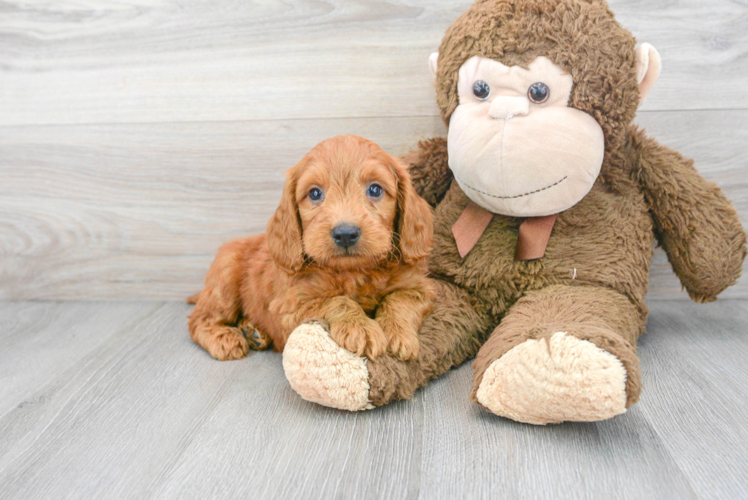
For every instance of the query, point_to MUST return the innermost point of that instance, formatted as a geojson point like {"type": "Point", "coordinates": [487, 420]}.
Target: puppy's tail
{"type": "Point", "coordinates": [193, 299]}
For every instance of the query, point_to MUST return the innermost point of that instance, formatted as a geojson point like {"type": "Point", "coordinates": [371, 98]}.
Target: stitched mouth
{"type": "Point", "coordinates": [515, 196]}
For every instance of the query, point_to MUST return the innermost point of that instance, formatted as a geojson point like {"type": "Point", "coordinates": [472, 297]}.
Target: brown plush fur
{"type": "Point", "coordinates": [593, 279]}
{"type": "Point", "coordinates": [374, 295]}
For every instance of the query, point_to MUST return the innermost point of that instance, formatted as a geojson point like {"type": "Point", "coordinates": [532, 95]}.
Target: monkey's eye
{"type": "Point", "coordinates": [481, 90]}
{"type": "Point", "coordinates": [539, 92]}
{"type": "Point", "coordinates": [315, 194]}
{"type": "Point", "coordinates": [375, 191]}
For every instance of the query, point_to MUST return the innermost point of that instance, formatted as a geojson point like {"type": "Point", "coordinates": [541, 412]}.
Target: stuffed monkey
{"type": "Point", "coordinates": [548, 202]}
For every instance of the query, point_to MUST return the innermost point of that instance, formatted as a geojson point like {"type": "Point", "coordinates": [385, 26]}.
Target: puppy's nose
{"type": "Point", "coordinates": [345, 235]}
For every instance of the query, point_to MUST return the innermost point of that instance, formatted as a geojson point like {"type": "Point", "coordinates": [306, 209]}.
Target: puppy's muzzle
{"type": "Point", "coordinates": [345, 235]}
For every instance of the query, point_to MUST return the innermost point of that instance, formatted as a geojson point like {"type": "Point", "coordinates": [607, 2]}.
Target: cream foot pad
{"type": "Point", "coordinates": [564, 379]}
{"type": "Point", "coordinates": [322, 372]}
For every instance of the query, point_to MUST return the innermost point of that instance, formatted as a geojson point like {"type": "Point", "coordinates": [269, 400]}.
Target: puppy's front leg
{"type": "Point", "coordinates": [350, 327]}
{"type": "Point", "coordinates": [400, 315]}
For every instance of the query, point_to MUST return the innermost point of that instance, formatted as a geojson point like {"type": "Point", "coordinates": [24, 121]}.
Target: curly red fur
{"type": "Point", "coordinates": [374, 295]}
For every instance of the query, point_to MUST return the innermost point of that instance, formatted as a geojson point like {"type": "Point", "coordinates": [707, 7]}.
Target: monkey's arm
{"type": "Point", "coordinates": [696, 224]}
{"type": "Point", "coordinates": [428, 166]}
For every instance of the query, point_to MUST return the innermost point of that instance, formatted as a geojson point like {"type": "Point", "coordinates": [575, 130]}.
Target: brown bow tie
{"type": "Point", "coordinates": [532, 240]}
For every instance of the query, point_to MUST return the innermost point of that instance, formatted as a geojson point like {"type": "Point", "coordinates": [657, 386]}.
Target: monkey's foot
{"type": "Point", "coordinates": [553, 380]}
{"type": "Point", "coordinates": [322, 372]}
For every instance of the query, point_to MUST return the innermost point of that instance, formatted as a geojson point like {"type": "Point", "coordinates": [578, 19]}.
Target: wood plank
{"type": "Point", "coordinates": [40, 340]}
{"type": "Point", "coordinates": [138, 210]}
{"type": "Point", "coordinates": [117, 424]}
{"type": "Point", "coordinates": [166, 61]}
{"type": "Point", "coordinates": [147, 414]}
{"type": "Point", "coordinates": [111, 425]}
{"type": "Point", "coordinates": [620, 458]}
{"type": "Point", "coordinates": [695, 379]}
{"type": "Point", "coordinates": [277, 445]}
{"type": "Point", "coordinates": [138, 218]}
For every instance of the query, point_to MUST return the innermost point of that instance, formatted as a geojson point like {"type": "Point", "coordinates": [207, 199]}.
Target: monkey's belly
{"type": "Point", "coordinates": [604, 240]}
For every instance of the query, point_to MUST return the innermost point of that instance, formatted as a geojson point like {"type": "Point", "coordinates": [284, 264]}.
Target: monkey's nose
{"type": "Point", "coordinates": [345, 235]}
{"type": "Point", "coordinates": [503, 108]}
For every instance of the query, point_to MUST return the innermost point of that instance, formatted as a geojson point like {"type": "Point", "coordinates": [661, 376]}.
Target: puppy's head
{"type": "Point", "coordinates": [348, 205]}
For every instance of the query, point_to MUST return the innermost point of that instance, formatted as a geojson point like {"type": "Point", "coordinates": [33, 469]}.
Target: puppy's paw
{"type": "Point", "coordinates": [377, 340]}
{"type": "Point", "coordinates": [402, 339]}
{"type": "Point", "coordinates": [226, 343]}
{"type": "Point", "coordinates": [403, 343]}
{"type": "Point", "coordinates": [363, 337]}
{"type": "Point", "coordinates": [258, 341]}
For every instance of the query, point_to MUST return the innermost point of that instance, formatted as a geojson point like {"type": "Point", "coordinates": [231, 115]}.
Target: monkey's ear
{"type": "Point", "coordinates": [283, 235]}
{"type": "Point", "coordinates": [433, 58]}
{"type": "Point", "coordinates": [648, 66]}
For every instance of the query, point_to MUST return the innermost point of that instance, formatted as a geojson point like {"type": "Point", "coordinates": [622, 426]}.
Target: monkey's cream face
{"type": "Point", "coordinates": [515, 146]}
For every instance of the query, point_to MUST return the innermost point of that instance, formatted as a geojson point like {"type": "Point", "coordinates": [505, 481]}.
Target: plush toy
{"type": "Point", "coordinates": [548, 203]}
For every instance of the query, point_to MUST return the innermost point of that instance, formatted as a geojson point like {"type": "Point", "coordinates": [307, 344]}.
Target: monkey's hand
{"type": "Point", "coordinates": [428, 166]}
{"type": "Point", "coordinates": [696, 224]}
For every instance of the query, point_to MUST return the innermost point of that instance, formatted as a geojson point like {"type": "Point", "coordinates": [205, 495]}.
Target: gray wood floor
{"type": "Point", "coordinates": [112, 400]}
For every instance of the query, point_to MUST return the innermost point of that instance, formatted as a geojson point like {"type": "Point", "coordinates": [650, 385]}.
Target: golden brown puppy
{"type": "Point", "coordinates": [348, 244]}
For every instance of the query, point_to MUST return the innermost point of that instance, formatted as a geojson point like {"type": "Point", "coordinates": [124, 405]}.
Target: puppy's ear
{"type": "Point", "coordinates": [283, 234]}
{"type": "Point", "coordinates": [414, 221]}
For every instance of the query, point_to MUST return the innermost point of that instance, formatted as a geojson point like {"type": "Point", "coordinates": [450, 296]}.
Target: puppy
{"type": "Point", "coordinates": [347, 244]}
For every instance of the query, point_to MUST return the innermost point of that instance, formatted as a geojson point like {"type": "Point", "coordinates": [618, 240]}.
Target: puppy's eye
{"type": "Point", "coordinates": [539, 92]}
{"type": "Point", "coordinates": [375, 191]}
{"type": "Point", "coordinates": [315, 194]}
{"type": "Point", "coordinates": [481, 90]}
